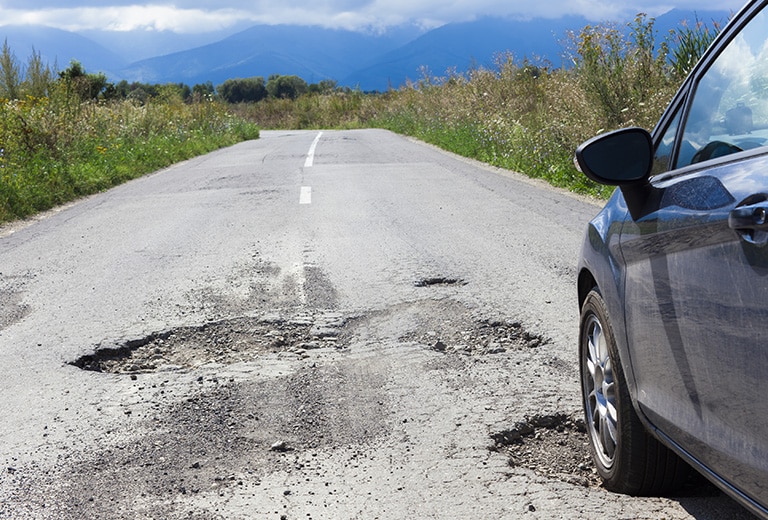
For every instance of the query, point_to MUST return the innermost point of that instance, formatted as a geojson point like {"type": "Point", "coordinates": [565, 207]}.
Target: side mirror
{"type": "Point", "coordinates": [617, 158]}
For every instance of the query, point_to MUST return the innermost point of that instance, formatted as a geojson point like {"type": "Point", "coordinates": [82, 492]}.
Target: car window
{"type": "Point", "coordinates": [729, 112]}
{"type": "Point", "coordinates": [663, 155]}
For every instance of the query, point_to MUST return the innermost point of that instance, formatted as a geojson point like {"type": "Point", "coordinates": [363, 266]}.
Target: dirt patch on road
{"type": "Point", "coordinates": [12, 307]}
{"type": "Point", "coordinates": [223, 342]}
{"type": "Point", "coordinates": [224, 435]}
{"type": "Point", "coordinates": [450, 327]}
{"type": "Point", "coordinates": [554, 446]}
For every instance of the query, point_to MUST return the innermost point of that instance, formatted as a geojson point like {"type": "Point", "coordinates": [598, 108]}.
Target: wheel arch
{"type": "Point", "coordinates": [586, 282]}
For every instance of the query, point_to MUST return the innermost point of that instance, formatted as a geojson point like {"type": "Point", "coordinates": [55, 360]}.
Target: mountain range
{"type": "Point", "coordinates": [354, 59]}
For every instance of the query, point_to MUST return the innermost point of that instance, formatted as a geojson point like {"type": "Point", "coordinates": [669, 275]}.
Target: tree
{"type": "Point", "coordinates": [325, 86]}
{"type": "Point", "coordinates": [242, 90]}
{"type": "Point", "coordinates": [184, 91]}
{"type": "Point", "coordinates": [138, 95]}
{"type": "Point", "coordinates": [86, 86]}
{"type": "Point", "coordinates": [39, 76]}
{"type": "Point", "coordinates": [289, 87]}
{"type": "Point", "coordinates": [122, 89]}
{"type": "Point", "coordinates": [10, 73]}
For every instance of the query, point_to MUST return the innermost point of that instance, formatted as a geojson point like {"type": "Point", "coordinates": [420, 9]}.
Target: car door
{"type": "Point", "coordinates": [696, 279]}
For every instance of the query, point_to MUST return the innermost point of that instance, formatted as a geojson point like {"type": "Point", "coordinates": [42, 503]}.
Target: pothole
{"type": "Point", "coordinates": [554, 446]}
{"type": "Point", "coordinates": [12, 307]}
{"type": "Point", "coordinates": [478, 337]}
{"type": "Point", "coordinates": [438, 280]}
{"type": "Point", "coordinates": [12, 310]}
{"type": "Point", "coordinates": [222, 342]}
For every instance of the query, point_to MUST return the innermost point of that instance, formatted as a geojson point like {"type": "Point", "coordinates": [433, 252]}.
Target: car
{"type": "Point", "coordinates": [673, 283]}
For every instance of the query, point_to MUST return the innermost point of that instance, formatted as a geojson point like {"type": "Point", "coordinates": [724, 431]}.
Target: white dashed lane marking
{"type": "Point", "coordinates": [306, 195]}
{"type": "Point", "coordinates": [311, 155]}
{"type": "Point", "coordinates": [306, 191]}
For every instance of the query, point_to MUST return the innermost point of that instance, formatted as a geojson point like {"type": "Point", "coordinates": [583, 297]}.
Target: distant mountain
{"type": "Point", "coordinates": [312, 53]}
{"type": "Point", "coordinates": [461, 46]}
{"type": "Point", "coordinates": [367, 61]}
{"type": "Point", "coordinates": [58, 48]}
{"type": "Point", "coordinates": [139, 45]}
{"type": "Point", "coordinates": [377, 62]}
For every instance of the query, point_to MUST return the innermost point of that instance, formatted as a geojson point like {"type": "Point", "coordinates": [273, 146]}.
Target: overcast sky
{"type": "Point", "coordinates": [196, 16]}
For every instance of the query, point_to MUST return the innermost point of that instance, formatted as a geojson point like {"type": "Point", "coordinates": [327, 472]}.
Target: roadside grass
{"type": "Point", "coordinates": [524, 118]}
{"type": "Point", "coordinates": [339, 110]}
{"type": "Point", "coordinates": [56, 148]}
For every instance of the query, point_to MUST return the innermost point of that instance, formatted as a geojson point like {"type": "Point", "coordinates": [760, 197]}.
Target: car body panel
{"type": "Point", "coordinates": [698, 320]}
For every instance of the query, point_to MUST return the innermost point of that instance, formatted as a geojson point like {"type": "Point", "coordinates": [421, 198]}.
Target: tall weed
{"type": "Point", "coordinates": [689, 43]}
{"type": "Point", "coordinates": [56, 148]}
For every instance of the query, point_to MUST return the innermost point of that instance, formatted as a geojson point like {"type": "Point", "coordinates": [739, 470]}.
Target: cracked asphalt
{"type": "Point", "coordinates": [211, 341]}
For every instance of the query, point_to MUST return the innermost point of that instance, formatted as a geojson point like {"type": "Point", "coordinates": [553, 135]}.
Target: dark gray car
{"type": "Point", "coordinates": [673, 283]}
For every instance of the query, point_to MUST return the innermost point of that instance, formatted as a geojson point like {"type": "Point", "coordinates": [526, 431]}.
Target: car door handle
{"type": "Point", "coordinates": [749, 217]}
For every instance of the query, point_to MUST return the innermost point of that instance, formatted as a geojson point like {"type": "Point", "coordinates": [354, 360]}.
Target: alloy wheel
{"type": "Point", "coordinates": [600, 393]}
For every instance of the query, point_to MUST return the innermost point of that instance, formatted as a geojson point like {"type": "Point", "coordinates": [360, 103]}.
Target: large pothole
{"type": "Point", "coordinates": [222, 342]}
{"type": "Point", "coordinates": [464, 335]}
{"type": "Point", "coordinates": [554, 446]}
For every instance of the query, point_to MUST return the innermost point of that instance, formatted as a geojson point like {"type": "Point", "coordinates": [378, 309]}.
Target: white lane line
{"type": "Point", "coordinates": [311, 155]}
{"type": "Point", "coordinates": [306, 195]}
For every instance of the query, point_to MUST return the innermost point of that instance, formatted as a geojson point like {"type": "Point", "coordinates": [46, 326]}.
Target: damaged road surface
{"type": "Point", "coordinates": [386, 331]}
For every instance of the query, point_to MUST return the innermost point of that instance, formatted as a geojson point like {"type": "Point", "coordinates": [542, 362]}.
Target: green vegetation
{"type": "Point", "coordinates": [70, 133]}
{"type": "Point", "coordinates": [63, 137]}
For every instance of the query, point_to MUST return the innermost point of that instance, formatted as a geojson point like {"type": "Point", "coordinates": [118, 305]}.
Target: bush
{"type": "Point", "coordinates": [242, 90]}
{"type": "Point", "coordinates": [286, 87]}
{"type": "Point", "coordinates": [688, 44]}
{"type": "Point", "coordinates": [619, 73]}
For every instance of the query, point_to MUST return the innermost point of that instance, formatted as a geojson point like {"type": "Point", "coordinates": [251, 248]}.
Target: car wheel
{"type": "Point", "coordinates": [627, 458]}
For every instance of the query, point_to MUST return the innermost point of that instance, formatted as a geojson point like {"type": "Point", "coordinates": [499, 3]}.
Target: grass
{"type": "Point", "coordinates": [57, 148]}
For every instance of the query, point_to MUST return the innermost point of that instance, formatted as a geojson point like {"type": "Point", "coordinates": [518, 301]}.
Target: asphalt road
{"type": "Point", "coordinates": [346, 324]}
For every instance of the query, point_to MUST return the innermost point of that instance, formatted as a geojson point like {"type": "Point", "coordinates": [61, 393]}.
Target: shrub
{"type": "Point", "coordinates": [242, 90]}
{"type": "Point", "coordinates": [286, 87]}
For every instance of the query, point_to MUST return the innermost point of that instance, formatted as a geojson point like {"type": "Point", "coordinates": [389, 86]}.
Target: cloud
{"type": "Point", "coordinates": [126, 18]}
{"type": "Point", "coordinates": [198, 16]}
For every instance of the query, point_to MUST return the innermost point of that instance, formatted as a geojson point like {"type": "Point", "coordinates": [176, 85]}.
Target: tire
{"type": "Point", "coordinates": [627, 458]}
